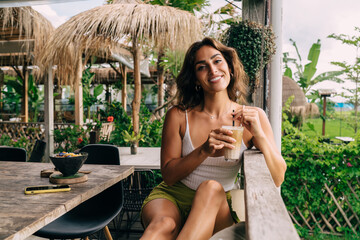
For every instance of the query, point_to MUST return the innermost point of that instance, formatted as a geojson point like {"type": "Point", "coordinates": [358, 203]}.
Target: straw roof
{"type": "Point", "coordinates": [22, 31]}
{"type": "Point", "coordinates": [107, 25]}
{"type": "Point", "coordinates": [290, 87]}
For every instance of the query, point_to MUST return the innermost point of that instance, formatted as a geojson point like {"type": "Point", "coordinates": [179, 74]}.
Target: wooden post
{"type": "Point", "coordinates": [1, 85]}
{"type": "Point", "coordinates": [137, 93]}
{"type": "Point", "coordinates": [123, 71]}
{"type": "Point", "coordinates": [79, 107]}
{"type": "Point", "coordinates": [324, 115]}
{"type": "Point", "coordinates": [160, 82]}
{"type": "Point", "coordinates": [258, 11]}
{"type": "Point", "coordinates": [49, 114]}
{"type": "Point", "coordinates": [25, 98]}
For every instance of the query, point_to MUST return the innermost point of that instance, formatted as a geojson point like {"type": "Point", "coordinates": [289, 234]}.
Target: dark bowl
{"type": "Point", "coordinates": [68, 166]}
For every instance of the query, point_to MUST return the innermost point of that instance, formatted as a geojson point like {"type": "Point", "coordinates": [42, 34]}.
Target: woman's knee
{"type": "Point", "coordinates": [211, 188]}
{"type": "Point", "coordinates": [162, 224]}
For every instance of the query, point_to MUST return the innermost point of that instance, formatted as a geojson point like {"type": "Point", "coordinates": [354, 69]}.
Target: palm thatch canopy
{"type": "Point", "coordinates": [106, 26]}
{"type": "Point", "coordinates": [23, 33]}
{"type": "Point", "coordinates": [290, 87]}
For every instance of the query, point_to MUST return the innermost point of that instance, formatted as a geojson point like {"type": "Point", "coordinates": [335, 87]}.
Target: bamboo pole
{"type": "Point", "coordinates": [123, 70]}
{"type": "Point", "coordinates": [137, 93]}
{"type": "Point", "coordinates": [79, 107]}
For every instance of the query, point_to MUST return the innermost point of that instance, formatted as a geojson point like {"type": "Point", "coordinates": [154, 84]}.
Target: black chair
{"type": "Point", "coordinates": [102, 154]}
{"type": "Point", "coordinates": [14, 154]}
{"type": "Point", "coordinates": [38, 151]}
{"type": "Point", "coordinates": [97, 212]}
{"type": "Point", "coordinates": [136, 188]}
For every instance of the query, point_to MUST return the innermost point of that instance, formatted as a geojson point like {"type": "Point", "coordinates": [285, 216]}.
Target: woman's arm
{"type": "Point", "coordinates": [257, 123]}
{"type": "Point", "coordinates": [173, 166]}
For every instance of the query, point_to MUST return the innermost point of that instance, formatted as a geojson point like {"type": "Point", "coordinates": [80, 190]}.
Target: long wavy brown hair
{"type": "Point", "coordinates": [189, 97]}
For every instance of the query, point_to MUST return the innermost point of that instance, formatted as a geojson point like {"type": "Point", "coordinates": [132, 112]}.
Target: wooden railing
{"type": "Point", "coordinates": [266, 214]}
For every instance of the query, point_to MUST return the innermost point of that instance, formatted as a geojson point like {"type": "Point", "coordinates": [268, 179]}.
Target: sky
{"type": "Point", "coordinates": [304, 21]}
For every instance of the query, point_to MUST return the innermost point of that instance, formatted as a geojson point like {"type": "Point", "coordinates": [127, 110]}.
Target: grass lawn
{"type": "Point", "coordinates": [333, 127]}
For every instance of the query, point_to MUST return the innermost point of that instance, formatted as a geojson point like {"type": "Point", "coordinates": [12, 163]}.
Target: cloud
{"type": "Point", "coordinates": [51, 15]}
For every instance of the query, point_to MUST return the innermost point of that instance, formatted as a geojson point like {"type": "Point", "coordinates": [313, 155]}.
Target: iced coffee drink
{"type": "Point", "coordinates": [234, 154]}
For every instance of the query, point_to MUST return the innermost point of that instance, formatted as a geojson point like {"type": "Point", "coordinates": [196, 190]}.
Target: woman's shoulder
{"type": "Point", "coordinates": [175, 113]}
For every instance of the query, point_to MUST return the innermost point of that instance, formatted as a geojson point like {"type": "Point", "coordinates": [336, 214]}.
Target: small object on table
{"type": "Point", "coordinates": [58, 178]}
{"type": "Point", "coordinates": [45, 173]}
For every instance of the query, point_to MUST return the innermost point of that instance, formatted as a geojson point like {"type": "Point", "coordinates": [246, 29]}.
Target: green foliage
{"type": "Point", "coordinates": [187, 5]}
{"type": "Point", "coordinates": [254, 44]}
{"type": "Point", "coordinates": [132, 138]}
{"type": "Point", "coordinates": [310, 164]}
{"type": "Point", "coordinates": [172, 62]}
{"type": "Point", "coordinates": [89, 99]}
{"type": "Point", "coordinates": [14, 93]}
{"type": "Point", "coordinates": [21, 142]}
{"type": "Point", "coordinates": [351, 71]}
{"type": "Point", "coordinates": [121, 120]}
{"type": "Point", "coordinates": [305, 75]}
{"type": "Point", "coordinates": [71, 138]}
{"type": "Point", "coordinates": [151, 130]}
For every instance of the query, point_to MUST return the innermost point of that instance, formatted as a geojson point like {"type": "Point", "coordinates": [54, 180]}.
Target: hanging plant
{"type": "Point", "coordinates": [255, 45]}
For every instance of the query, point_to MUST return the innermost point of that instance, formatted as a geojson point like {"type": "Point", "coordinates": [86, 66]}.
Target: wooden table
{"type": "Point", "coordinates": [146, 157]}
{"type": "Point", "coordinates": [21, 215]}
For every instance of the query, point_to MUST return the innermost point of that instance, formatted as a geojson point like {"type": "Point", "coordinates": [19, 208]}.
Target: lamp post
{"type": "Point", "coordinates": [325, 93]}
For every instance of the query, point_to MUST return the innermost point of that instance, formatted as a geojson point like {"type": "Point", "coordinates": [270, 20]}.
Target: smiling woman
{"type": "Point", "coordinates": [194, 200]}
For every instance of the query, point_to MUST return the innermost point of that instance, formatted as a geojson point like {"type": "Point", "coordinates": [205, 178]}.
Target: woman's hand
{"type": "Point", "coordinates": [249, 118]}
{"type": "Point", "coordinates": [218, 139]}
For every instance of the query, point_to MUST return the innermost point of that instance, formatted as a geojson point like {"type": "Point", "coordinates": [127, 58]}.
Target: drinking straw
{"type": "Point", "coordinates": [233, 118]}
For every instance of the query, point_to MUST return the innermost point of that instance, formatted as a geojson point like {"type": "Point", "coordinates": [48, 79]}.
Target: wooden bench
{"type": "Point", "coordinates": [265, 211]}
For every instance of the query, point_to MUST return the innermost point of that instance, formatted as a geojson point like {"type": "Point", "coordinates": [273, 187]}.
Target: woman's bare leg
{"type": "Point", "coordinates": [161, 219]}
{"type": "Point", "coordinates": [209, 213]}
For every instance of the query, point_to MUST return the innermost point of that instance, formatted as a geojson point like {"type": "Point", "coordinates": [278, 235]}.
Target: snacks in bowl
{"type": "Point", "coordinates": [66, 154]}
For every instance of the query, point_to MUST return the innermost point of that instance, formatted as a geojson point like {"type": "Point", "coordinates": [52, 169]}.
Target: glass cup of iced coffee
{"type": "Point", "coordinates": [234, 154]}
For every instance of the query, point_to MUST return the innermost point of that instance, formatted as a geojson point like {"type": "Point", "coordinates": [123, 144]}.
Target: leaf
{"type": "Point", "coordinates": [288, 72]}
{"type": "Point", "coordinates": [98, 90]}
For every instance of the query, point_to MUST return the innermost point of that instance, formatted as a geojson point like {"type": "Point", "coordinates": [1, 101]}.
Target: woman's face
{"type": "Point", "coordinates": [211, 70]}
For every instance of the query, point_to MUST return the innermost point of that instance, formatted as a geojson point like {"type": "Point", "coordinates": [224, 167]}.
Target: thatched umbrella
{"type": "Point", "coordinates": [106, 26]}
{"type": "Point", "coordinates": [23, 33]}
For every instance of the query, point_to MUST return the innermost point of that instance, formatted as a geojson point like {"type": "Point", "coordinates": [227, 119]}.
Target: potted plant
{"type": "Point", "coordinates": [133, 140]}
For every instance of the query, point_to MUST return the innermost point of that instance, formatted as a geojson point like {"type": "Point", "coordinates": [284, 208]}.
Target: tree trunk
{"type": "Point", "coordinates": [160, 82]}
{"type": "Point", "coordinates": [137, 92]}
{"type": "Point", "coordinates": [79, 106]}
{"type": "Point", "coordinates": [25, 97]}
{"type": "Point", "coordinates": [123, 71]}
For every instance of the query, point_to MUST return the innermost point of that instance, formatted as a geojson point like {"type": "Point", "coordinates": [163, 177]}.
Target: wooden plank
{"type": "Point", "coordinates": [266, 214]}
{"type": "Point", "coordinates": [16, 46]}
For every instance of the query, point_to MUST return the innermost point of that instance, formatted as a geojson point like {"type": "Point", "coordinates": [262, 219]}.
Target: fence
{"type": "Point", "coordinates": [35, 131]}
{"type": "Point", "coordinates": [338, 209]}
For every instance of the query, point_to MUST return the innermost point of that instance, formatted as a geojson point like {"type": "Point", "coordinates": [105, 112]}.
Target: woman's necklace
{"type": "Point", "coordinates": [214, 117]}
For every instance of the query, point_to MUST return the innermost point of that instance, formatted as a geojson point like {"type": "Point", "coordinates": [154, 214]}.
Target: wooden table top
{"type": "Point", "coordinates": [21, 215]}
{"type": "Point", "coordinates": [146, 157]}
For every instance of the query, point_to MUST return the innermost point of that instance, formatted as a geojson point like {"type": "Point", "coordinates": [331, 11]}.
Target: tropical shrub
{"type": "Point", "coordinates": [311, 166]}
{"type": "Point", "coordinates": [150, 129]}
{"type": "Point", "coordinates": [71, 138]}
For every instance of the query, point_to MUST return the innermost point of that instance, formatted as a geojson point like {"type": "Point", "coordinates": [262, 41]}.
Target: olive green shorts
{"type": "Point", "coordinates": [182, 196]}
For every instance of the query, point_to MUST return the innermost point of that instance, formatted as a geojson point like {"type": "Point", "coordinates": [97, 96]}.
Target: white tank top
{"type": "Point", "coordinates": [212, 168]}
